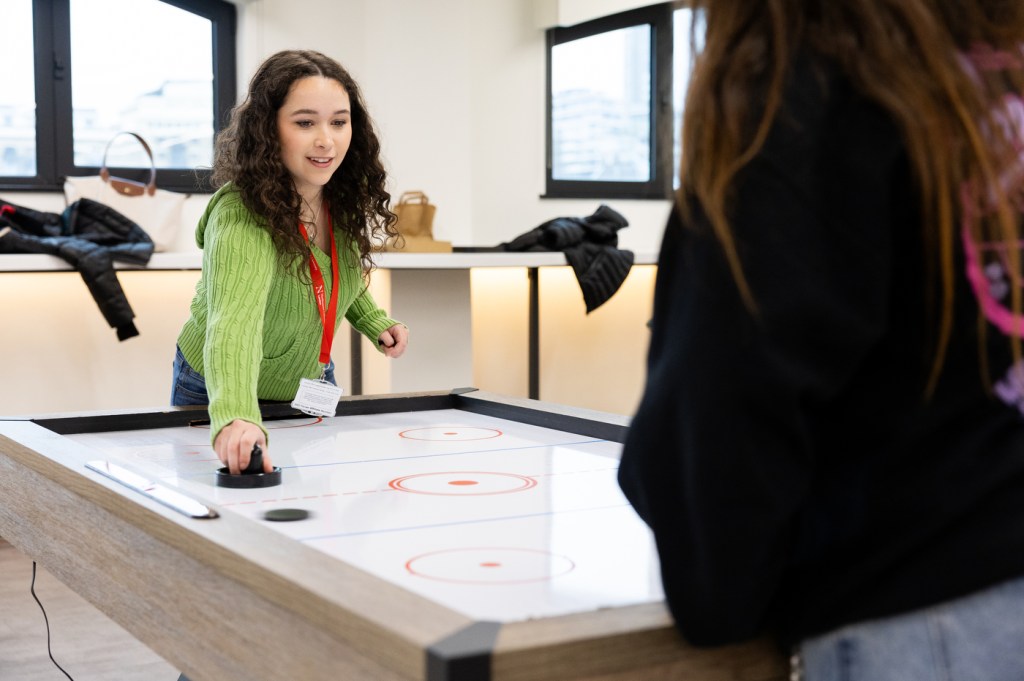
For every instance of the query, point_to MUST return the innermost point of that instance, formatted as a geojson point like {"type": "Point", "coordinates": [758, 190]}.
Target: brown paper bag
{"type": "Point", "coordinates": [415, 215]}
{"type": "Point", "coordinates": [416, 226]}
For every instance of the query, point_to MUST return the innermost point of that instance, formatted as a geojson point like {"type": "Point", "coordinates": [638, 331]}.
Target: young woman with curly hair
{"type": "Point", "coordinates": [830, 446]}
{"type": "Point", "coordinates": [287, 243]}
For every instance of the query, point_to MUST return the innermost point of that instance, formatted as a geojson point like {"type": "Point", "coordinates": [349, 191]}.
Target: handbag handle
{"type": "Point", "coordinates": [413, 197]}
{"type": "Point", "coordinates": [130, 187]}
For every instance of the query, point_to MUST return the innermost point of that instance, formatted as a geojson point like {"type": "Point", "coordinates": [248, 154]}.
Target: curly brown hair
{"type": "Point", "coordinates": [247, 154]}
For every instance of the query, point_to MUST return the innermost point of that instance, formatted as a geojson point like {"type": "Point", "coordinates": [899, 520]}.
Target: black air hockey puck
{"type": "Point", "coordinates": [248, 480]}
{"type": "Point", "coordinates": [286, 514]}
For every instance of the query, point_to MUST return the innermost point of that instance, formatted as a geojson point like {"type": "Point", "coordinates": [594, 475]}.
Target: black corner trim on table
{"type": "Point", "coordinates": [555, 417]}
{"type": "Point", "coordinates": [464, 655]}
{"type": "Point", "coordinates": [67, 424]}
{"type": "Point", "coordinates": [563, 420]}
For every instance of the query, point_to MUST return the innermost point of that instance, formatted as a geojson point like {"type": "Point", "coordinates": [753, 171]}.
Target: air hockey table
{"type": "Point", "coordinates": [451, 536]}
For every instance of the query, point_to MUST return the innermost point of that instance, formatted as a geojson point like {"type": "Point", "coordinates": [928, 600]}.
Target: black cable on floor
{"type": "Point", "coordinates": [32, 589]}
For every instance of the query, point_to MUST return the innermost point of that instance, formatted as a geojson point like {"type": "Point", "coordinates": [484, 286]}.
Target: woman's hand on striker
{"type": "Point", "coordinates": [234, 442]}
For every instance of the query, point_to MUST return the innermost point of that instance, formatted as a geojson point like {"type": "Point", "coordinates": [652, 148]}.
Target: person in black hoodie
{"type": "Point", "coordinates": [830, 444]}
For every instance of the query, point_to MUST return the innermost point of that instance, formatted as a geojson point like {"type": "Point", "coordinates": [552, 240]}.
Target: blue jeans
{"type": "Point", "coordinates": [979, 637]}
{"type": "Point", "coordinates": [188, 387]}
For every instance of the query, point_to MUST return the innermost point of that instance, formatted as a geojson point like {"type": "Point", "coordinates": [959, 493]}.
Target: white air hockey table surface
{"type": "Point", "coordinates": [450, 536]}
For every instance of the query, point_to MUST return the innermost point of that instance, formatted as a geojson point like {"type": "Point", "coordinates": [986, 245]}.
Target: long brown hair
{"type": "Point", "coordinates": [248, 154]}
{"type": "Point", "coordinates": [903, 54]}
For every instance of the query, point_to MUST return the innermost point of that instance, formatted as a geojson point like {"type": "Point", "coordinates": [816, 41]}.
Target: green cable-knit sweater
{"type": "Point", "coordinates": [255, 331]}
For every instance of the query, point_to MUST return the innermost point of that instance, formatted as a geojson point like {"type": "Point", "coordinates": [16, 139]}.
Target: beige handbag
{"type": "Point", "coordinates": [416, 226]}
{"type": "Point", "coordinates": [157, 211]}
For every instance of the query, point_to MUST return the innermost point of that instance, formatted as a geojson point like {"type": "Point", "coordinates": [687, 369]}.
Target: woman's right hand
{"type": "Point", "coordinates": [234, 442]}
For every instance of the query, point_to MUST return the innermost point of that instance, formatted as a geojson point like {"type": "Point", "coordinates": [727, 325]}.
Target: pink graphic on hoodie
{"type": "Point", "coordinates": [990, 268]}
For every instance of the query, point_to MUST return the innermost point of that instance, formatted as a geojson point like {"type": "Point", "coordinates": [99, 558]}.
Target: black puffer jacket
{"type": "Point", "coordinates": [90, 236]}
{"type": "Point", "coordinates": [590, 245]}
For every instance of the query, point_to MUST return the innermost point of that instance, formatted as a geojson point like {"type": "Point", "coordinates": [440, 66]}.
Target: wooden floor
{"type": "Point", "coordinates": [86, 643]}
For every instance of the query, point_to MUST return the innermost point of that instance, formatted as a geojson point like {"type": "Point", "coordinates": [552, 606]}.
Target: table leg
{"type": "Point", "coordinates": [355, 362]}
{"type": "Point", "coordinates": [534, 334]}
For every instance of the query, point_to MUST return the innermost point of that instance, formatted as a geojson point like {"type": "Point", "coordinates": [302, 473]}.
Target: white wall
{"type": "Point", "coordinates": [550, 13]}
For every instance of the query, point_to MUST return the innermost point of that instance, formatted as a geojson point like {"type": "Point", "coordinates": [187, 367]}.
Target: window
{"type": "Point", "coordinates": [616, 87]}
{"type": "Point", "coordinates": [76, 72]}
{"type": "Point", "coordinates": [682, 25]}
{"type": "Point", "coordinates": [18, 94]}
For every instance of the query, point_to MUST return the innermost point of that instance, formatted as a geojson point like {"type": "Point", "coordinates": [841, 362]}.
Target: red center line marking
{"type": "Point", "coordinates": [374, 491]}
{"type": "Point", "coordinates": [365, 492]}
{"type": "Point", "coordinates": [389, 489]}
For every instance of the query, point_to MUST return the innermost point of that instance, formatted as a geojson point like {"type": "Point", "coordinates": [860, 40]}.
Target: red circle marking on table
{"type": "Point", "coordinates": [462, 566]}
{"type": "Point", "coordinates": [445, 433]}
{"type": "Point", "coordinates": [436, 483]}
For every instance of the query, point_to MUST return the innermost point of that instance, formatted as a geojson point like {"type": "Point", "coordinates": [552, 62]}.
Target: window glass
{"type": "Point", "coordinates": [600, 107]}
{"type": "Point", "coordinates": [167, 97]}
{"type": "Point", "coordinates": [682, 20]}
{"type": "Point", "coordinates": [17, 92]}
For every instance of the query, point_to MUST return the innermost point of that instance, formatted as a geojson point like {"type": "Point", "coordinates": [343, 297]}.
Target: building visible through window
{"type": "Point", "coordinates": [166, 97]}
{"type": "Point", "coordinates": [77, 72]}
{"type": "Point", "coordinates": [616, 95]}
{"type": "Point", "coordinates": [600, 107]}
{"type": "Point", "coordinates": [17, 92]}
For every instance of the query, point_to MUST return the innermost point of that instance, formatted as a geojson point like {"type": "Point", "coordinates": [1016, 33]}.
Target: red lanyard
{"type": "Point", "coordinates": [326, 312]}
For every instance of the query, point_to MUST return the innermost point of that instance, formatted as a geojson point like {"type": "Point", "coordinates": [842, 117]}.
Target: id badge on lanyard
{"type": "Point", "coordinates": [320, 397]}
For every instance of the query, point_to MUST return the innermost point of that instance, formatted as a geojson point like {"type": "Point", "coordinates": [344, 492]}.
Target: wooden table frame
{"type": "Point", "coordinates": [228, 599]}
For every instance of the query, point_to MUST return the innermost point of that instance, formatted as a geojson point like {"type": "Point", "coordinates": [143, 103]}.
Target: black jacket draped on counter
{"type": "Point", "coordinates": [794, 473]}
{"type": "Point", "coordinates": [89, 236]}
{"type": "Point", "coordinates": [590, 245]}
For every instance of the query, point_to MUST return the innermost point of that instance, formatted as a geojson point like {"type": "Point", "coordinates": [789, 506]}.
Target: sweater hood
{"type": "Point", "coordinates": [225, 197]}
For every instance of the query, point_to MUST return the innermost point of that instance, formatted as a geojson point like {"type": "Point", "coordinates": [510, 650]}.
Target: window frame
{"type": "Point", "coordinates": [659, 186]}
{"type": "Point", "coordinates": [51, 22]}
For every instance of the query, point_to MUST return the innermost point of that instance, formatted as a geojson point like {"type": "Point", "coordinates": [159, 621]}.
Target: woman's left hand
{"type": "Point", "coordinates": [394, 340]}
